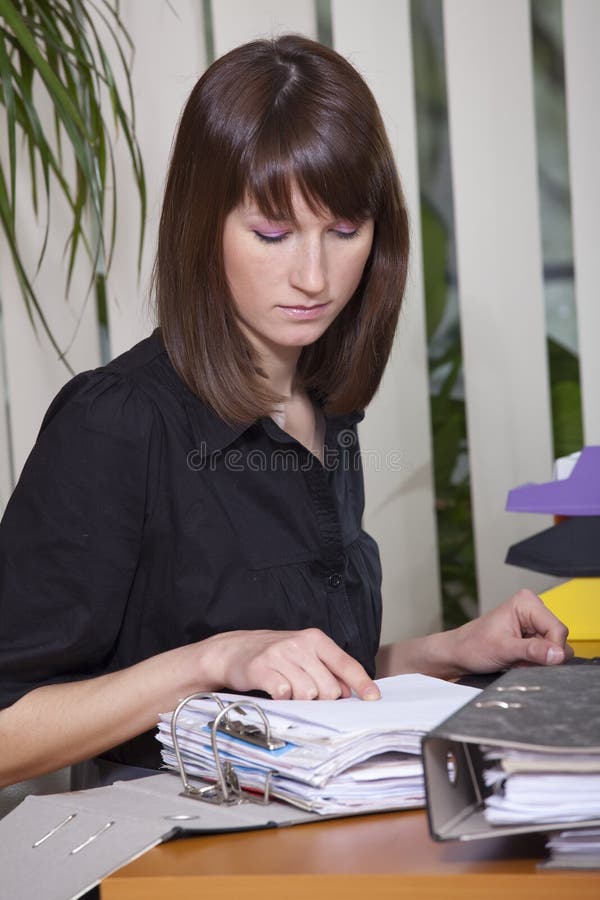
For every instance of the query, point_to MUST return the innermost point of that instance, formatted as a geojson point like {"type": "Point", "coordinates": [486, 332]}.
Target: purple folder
{"type": "Point", "coordinates": [577, 495]}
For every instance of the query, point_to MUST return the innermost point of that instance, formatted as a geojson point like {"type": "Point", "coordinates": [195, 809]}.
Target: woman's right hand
{"type": "Point", "coordinates": [298, 665]}
{"type": "Point", "coordinates": [109, 709]}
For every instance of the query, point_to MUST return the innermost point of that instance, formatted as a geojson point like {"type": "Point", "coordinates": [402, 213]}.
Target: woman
{"type": "Point", "coordinates": [190, 518]}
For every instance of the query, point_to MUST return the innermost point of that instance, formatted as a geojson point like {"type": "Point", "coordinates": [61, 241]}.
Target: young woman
{"type": "Point", "coordinates": [190, 517]}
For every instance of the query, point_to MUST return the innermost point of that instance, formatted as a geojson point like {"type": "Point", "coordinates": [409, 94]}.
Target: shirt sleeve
{"type": "Point", "coordinates": [71, 535]}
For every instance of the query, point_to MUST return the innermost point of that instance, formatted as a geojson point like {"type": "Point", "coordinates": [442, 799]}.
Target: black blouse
{"type": "Point", "coordinates": [142, 522]}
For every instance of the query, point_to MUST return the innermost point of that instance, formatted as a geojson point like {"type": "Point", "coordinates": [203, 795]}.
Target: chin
{"type": "Point", "coordinates": [302, 335]}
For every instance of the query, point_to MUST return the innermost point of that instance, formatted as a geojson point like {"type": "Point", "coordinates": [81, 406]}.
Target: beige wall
{"type": "Point", "coordinates": [488, 53]}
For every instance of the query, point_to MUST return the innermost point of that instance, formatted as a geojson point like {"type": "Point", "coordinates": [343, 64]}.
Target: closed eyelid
{"type": "Point", "coordinates": [271, 232]}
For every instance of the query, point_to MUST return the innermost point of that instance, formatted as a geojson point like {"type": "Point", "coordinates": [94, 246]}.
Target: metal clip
{"type": "Point", "coordinates": [248, 732]}
{"type": "Point", "coordinates": [523, 688]}
{"type": "Point", "coordinates": [498, 704]}
{"type": "Point", "coordinates": [227, 790]}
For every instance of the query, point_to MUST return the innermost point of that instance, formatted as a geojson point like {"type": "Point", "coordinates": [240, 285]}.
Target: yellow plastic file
{"type": "Point", "coordinates": [577, 604]}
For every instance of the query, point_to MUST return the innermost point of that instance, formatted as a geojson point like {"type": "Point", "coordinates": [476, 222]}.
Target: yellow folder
{"type": "Point", "coordinates": [577, 604]}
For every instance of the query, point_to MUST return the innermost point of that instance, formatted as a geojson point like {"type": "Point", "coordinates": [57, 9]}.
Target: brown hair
{"type": "Point", "coordinates": [265, 116]}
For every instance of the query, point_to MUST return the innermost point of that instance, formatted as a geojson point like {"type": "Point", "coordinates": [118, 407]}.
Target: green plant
{"type": "Point", "coordinates": [448, 419]}
{"type": "Point", "coordinates": [64, 47]}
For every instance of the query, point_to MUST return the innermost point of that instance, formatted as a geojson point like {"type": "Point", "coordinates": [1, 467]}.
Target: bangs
{"type": "Point", "coordinates": [331, 172]}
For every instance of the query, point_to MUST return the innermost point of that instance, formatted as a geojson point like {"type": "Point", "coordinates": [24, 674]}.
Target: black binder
{"type": "Point", "coordinates": [542, 709]}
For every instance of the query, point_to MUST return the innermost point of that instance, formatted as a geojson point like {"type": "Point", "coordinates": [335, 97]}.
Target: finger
{"type": "Point", "coordinates": [348, 670]}
{"type": "Point", "coordinates": [295, 657]}
{"type": "Point", "coordinates": [539, 651]}
{"type": "Point", "coordinates": [538, 619]}
{"type": "Point", "coordinates": [274, 683]}
{"type": "Point", "coordinates": [291, 682]}
{"type": "Point", "coordinates": [302, 665]}
{"type": "Point", "coordinates": [303, 684]}
{"type": "Point", "coordinates": [327, 686]}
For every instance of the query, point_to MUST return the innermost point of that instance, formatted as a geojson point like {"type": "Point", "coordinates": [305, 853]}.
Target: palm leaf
{"type": "Point", "coordinates": [58, 44]}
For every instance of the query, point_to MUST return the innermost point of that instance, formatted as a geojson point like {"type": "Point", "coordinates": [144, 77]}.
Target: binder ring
{"type": "Point", "coordinates": [191, 790]}
{"type": "Point", "coordinates": [227, 789]}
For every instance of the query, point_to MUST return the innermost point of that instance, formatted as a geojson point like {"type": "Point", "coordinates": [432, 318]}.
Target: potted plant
{"type": "Point", "coordinates": [66, 49]}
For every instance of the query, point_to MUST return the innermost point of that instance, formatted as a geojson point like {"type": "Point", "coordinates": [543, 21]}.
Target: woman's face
{"type": "Point", "coordinates": [289, 281]}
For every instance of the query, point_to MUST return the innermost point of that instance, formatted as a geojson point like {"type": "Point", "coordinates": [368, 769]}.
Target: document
{"type": "Point", "coordinates": [335, 756]}
{"type": "Point", "coordinates": [577, 849]}
{"type": "Point", "coordinates": [540, 787]}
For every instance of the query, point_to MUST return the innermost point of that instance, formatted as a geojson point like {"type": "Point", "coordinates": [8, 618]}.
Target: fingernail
{"type": "Point", "coordinates": [371, 693]}
{"type": "Point", "coordinates": [554, 655]}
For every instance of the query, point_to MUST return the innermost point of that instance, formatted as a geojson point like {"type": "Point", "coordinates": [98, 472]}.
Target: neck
{"type": "Point", "coordinates": [280, 368]}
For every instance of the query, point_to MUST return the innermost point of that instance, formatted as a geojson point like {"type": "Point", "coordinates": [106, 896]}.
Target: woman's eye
{"type": "Point", "coordinates": [346, 233]}
{"type": "Point", "coordinates": [272, 237]}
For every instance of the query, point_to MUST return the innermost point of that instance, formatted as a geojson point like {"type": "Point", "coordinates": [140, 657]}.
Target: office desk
{"type": "Point", "coordinates": [370, 857]}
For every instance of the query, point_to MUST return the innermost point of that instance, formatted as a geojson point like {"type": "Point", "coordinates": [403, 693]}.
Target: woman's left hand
{"type": "Point", "coordinates": [519, 632]}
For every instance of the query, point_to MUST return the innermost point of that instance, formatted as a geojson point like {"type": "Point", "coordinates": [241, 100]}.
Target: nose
{"type": "Point", "coordinates": [309, 269]}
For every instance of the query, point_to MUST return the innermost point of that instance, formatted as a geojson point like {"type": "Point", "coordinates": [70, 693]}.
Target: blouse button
{"type": "Point", "coordinates": [334, 580]}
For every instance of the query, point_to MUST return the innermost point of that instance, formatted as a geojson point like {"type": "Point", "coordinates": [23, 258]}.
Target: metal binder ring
{"type": "Point", "coordinates": [227, 789]}
{"type": "Point", "coordinates": [498, 704]}
{"type": "Point", "coordinates": [222, 714]}
{"type": "Point", "coordinates": [187, 787]}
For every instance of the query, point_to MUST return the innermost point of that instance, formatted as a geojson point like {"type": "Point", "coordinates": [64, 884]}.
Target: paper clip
{"type": "Point", "coordinates": [227, 790]}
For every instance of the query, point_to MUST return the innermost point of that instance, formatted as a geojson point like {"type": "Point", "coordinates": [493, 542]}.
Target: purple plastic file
{"type": "Point", "coordinates": [577, 495]}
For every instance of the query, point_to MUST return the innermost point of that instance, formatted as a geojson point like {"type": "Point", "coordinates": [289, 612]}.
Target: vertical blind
{"type": "Point", "coordinates": [491, 117]}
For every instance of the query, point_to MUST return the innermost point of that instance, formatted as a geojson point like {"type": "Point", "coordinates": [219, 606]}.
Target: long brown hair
{"type": "Point", "coordinates": [266, 116]}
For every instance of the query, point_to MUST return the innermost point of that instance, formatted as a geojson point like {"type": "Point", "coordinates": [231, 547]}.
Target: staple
{"type": "Point", "coordinates": [92, 838]}
{"type": "Point", "coordinates": [53, 830]}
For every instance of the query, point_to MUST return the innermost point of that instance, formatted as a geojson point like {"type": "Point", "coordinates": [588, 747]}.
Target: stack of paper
{"type": "Point", "coordinates": [541, 787]}
{"type": "Point", "coordinates": [578, 849]}
{"type": "Point", "coordinates": [339, 756]}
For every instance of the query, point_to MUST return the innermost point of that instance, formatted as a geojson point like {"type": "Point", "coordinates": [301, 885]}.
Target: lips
{"type": "Point", "coordinates": [304, 312]}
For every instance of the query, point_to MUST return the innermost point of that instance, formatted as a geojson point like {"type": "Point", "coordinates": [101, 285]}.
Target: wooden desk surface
{"type": "Point", "coordinates": [380, 856]}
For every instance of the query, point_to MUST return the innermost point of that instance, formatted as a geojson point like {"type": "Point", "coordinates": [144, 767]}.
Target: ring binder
{"type": "Point", "coordinates": [554, 731]}
{"type": "Point", "coordinates": [313, 764]}
{"type": "Point", "coordinates": [227, 790]}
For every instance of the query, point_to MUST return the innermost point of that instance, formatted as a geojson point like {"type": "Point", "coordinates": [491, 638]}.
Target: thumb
{"type": "Point", "coordinates": [541, 652]}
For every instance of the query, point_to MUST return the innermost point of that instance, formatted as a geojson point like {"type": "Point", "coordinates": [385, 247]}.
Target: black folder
{"type": "Point", "coordinates": [570, 549]}
{"type": "Point", "coordinates": [542, 709]}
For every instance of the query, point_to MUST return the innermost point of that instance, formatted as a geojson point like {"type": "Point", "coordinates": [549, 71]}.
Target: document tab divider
{"type": "Point", "coordinates": [227, 790]}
